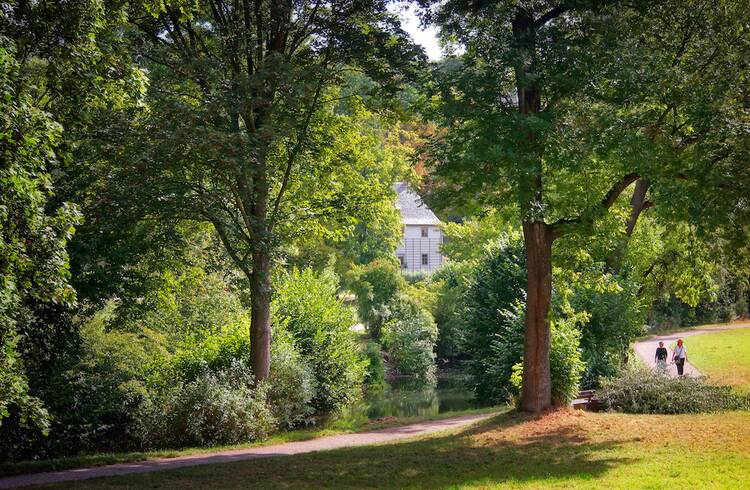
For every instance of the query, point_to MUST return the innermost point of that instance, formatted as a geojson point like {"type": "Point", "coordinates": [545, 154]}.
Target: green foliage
{"type": "Point", "coordinates": [566, 363]}
{"type": "Point", "coordinates": [307, 309]}
{"type": "Point", "coordinates": [494, 320]}
{"type": "Point", "coordinates": [222, 407]}
{"type": "Point", "coordinates": [291, 386]}
{"type": "Point", "coordinates": [375, 378]}
{"type": "Point", "coordinates": [495, 326]}
{"type": "Point", "coordinates": [376, 284]}
{"type": "Point", "coordinates": [470, 239]}
{"type": "Point", "coordinates": [92, 391]}
{"type": "Point", "coordinates": [211, 353]}
{"type": "Point", "coordinates": [452, 285]}
{"type": "Point", "coordinates": [614, 316]}
{"type": "Point", "coordinates": [409, 337]}
{"type": "Point", "coordinates": [641, 390]}
{"type": "Point", "coordinates": [33, 259]}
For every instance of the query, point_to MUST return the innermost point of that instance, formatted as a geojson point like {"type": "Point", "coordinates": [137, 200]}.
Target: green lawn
{"type": "Point", "coordinates": [568, 449]}
{"type": "Point", "coordinates": [723, 356]}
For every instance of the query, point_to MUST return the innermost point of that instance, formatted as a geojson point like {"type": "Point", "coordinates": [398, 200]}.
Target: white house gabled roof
{"type": "Point", "coordinates": [413, 210]}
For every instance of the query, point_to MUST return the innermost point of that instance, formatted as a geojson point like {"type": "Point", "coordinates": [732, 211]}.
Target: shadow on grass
{"type": "Point", "coordinates": [498, 451]}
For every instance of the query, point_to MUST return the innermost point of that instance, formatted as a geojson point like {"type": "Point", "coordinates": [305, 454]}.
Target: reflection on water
{"type": "Point", "coordinates": [406, 397]}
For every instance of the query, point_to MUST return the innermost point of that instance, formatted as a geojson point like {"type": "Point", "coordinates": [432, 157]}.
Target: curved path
{"type": "Point", "coordinates": [286, 449]}
{"type": "Point", "coordinates": [646, 349]}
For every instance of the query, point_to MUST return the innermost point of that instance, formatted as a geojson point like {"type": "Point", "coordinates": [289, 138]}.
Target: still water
{"type": "Point", "coordinates": [405, 397]}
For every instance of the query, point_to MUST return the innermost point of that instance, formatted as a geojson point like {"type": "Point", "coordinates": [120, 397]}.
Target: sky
{"type": "Point", "coordinates": [427, 38]}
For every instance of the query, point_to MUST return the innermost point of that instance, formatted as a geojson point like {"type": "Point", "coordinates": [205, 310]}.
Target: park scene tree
{"type": "Point", "coordinates": [248, 223]}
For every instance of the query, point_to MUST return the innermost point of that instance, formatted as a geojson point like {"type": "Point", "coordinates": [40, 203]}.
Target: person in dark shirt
{"type": "Point", "coordinates": [661, 357]}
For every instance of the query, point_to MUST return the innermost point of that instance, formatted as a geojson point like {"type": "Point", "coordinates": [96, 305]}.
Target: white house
{"type": "Point", "coordinates": [419, 249]}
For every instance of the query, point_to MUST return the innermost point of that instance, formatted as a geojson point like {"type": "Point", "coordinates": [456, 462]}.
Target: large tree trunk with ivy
{"type": "Point", "coordinates": [537, 383]}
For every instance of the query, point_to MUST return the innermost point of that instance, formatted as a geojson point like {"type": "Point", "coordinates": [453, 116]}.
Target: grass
{"type": "Point", "coordinates": [333, 427]}
{"type": "Point", "coordinates": [567, 449]}
{"type": "Point", "coordinates": [723, 356]}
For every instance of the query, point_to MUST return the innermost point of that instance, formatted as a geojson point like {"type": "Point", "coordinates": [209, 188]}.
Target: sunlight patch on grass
{"type": "Point", "coordinates": [723, 356]}
{"type": "Point", "coordinates": [566, 449]}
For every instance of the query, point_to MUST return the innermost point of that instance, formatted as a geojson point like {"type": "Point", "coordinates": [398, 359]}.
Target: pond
{"type": "Point", "coordinates": [406, 397]}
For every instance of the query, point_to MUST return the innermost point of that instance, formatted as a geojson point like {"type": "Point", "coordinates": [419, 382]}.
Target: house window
{"type": "Point", "coordinates": [403, 261]}
{"type": "Point", "coordinates": [424, 232]}
{"type": "Point", "coordinates": [425, 259]}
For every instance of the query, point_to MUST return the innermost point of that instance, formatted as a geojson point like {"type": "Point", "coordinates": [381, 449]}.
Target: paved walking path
{"type": "Point", "coordinates": [646, 349]}
{"type": "Point", "coordinates": [286, 449]}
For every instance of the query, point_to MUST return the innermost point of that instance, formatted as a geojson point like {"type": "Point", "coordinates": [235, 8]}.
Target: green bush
{"type": "Point", "coordinates": [615, 317]}
{"type": "Point", "coordinates": [375, 378]}
{"type": "Point", "coordinates": [409, 336]}
{"type": "Point", "coordinates": [308, 310]}
{"type": "Point", "coordinates": [566, 365]}
{"type": "Point", "coordinates": [452, 283]}
{"type": "Point", "coordinates": [641, 390]}
{"type": "Point", "coordinates": [215, 408]}
{"type": "Point", "coordinates": [92, 389]}
{"type": "Point", "coordinates": [213, 352]}
{"type": "Point", "coordinates": [495, 321]}
{"type": "Point", "coordinates": [291, 385]}
{"type": "Point", "coordinates": [376, 284]}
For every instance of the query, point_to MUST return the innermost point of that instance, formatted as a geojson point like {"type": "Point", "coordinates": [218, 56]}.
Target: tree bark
{"type": "Point", "coordinates": [260, 281]}
{"type": "Point", "coordinates": [260, 315]}
{"type": "Point", "coordinates": [537, 382]}
{"type": "Point", "coordinates": [638, 204]}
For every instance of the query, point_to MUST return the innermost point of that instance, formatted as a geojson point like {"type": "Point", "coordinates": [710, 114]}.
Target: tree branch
{"type": "Point", "coordinates": [560, 226]}
{"type": "Point", "coordinates": [298, 145]}
{"type": "Point", "coordinates": [552, 14]}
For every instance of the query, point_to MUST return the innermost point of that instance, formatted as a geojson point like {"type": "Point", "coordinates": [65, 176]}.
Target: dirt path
{"type": "Point", "coordinates": [286, 449]}
{"type": "Point", "coordinates": [646, 349]}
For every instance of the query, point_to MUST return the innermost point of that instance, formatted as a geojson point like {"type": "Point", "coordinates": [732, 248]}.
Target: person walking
{"type": "Point", "coordinates": [679, 356]}
{"type": "Point", "coordinates": [661, 357]}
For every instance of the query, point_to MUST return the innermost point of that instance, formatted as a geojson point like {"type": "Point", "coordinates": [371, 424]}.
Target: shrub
{"type": "Point", "coordinates": [641, 390]}
{"type": "Point", "coordinates": [376, 285]}
{"type": "Point", "coordinates": [308, 310]}
{"type": "Point", "coordinates": [291, 385]}
{"type": "Point", "coordinates": [213, 352]}
{"type": "Point", "coordinates": [375, 377]}
{"type": "Point", "coordinates": [409, 337]}
{"type": "Point", "coordinates": [494, 320]}
{"type": "Point", "coordinates": [92, 395]}
{"type": "Point", "coordinates": [216, 408]}
{"type": "Point", "coordinates": [616, 316]}
{"type": "Point", "coordinates": [566, 365]}
{"type": "Point", "coordinates": [452, 283]}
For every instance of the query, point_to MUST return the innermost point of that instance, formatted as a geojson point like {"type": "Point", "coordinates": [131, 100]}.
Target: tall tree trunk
{"type": "Point", "coordinates": [260, 315]}
{"type": "Point", "coordinates": [537, 381]}
{"type": "Point", "coordinates": [538, 236]}
{"type": "Point", "coordinates": [260, 282]}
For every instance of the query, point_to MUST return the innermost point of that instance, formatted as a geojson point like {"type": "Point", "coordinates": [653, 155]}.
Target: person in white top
{"type": "Point", "coordinates": [679, 356]}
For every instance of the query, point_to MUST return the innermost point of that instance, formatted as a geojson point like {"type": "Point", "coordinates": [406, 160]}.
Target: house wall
{"type": "Point", "coordinates": [414, 245]}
